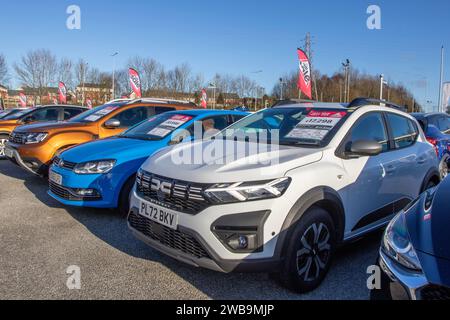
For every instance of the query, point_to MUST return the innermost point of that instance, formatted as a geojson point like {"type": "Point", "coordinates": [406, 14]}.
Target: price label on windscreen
{"type": "Point", "coordinates": [169, 125]}
{"type": "Point", "coordinates": [316, 125]}
{"type": "Point", "coordinates": [175, 121]}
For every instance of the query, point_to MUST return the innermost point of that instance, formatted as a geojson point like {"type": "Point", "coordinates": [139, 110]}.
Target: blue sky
{"type": "Point", "coordinates": [239, 37]}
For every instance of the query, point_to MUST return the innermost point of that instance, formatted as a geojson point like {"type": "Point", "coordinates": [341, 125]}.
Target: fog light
{"type": "Point", "coordinates": [242, 242]}
{"type": "Point", "coordinates": [86, 192]}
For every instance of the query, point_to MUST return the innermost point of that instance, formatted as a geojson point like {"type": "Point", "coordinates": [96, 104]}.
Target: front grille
{"type": "Point", "coordinates": [65, 164]}
{"type": "Point", "coordinates": [66, 193]}
{"type": "Point", "coordinates": [62, 192]}
{"type": "Point", "coordinates": [179, 195]}
{"type": "Point", "coordinates": [168, 237]}
{"type": "Point", "coordinates": [17, 137]}
{"type": "Point", "coordinates": [435, 293]}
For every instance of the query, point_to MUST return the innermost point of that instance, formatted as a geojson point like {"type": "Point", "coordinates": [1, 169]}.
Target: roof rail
{"type": "Point", "coordinates": [118, 100]}
{"type": "Point", "coordinates": [291, 101]}
{"type": "Point", "coordinates": [361, 102]}
{"type": "Point", "coordinates": [159, 100]}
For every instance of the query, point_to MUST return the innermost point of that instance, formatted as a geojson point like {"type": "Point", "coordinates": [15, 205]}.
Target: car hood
{"type": "Point", "coordinates": [429, 231]}
{"type": "Point", "coordinates": [117, 148]}
{"type": "Point", "coordinates": [184, 162]}
{"type": "Point", "coordinates": [46, 126]}
{"type": "Point", "coordinates": [8, 123]}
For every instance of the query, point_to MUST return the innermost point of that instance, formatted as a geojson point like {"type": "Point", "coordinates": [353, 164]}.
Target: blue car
{"type": "Point", "coordinates": [437, 130]}
{"type": "Point", "coordinates": [415, 252]}
{"type": "Point", "coordinates": [101, 173]}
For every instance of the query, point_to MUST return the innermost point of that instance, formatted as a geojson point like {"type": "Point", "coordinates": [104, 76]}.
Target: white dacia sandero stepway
{"type": "Point", "coordinates": [281, 189]}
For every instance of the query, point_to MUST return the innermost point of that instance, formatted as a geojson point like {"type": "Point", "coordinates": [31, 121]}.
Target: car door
{"type": "Point", "coordinates": [368, 194]}
{"type": "Point", "coordinates": [128, 118]}
{"type": "Point", "coordinates": [409, 156]}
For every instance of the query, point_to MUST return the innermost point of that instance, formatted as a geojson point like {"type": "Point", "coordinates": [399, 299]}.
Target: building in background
{"type": "Point", "coordinates": [98, 93]}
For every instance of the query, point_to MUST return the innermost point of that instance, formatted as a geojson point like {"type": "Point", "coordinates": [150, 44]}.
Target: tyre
{"type": "Point", "coordinates": [124, 197]}
{"type": "Point", "coordinates": [3, 140]}
{"type": "Point", "coordinates": [310, 251]}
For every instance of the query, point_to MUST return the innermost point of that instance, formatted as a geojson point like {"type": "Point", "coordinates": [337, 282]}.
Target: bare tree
{"type": "Point", "coordinates": [148, 69]}
{"type": "Point", "coordinates": [243, 86]}
{"type": "Point", "coordinates": [3, 70]}
{"type": "Point", "coordinates": [65, 72]}
{"type": "Point", "coordinates": [37, 69]}
{"type": "Point", "coordinates": [81, 71]}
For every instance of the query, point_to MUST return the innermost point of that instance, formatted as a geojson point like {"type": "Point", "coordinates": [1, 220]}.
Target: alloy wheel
{"type": "Point", "coordinates": [443, 168]}
{"type": "Point", "coordinates": [2, 147]}
{"type": "Point", "coordinates": [314, 255]}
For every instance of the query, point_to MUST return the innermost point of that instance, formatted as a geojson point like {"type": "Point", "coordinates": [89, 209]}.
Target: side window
{"type": "Point", "coordinates": [70, 113]}
{"type": "Point", "coordinates": [130, 117]}
{"type": "Point", "coordinates": [370, 127]}
{"type": "Point", "coordinates": [444, 124]}
{"type": "Point", "coordinates": [47, 114]}
{"type": "Point", "coordinates": [211, 125]}
{"type": "Point", "coordinates": [404, 131]}
{"type": "Point", "coordinates": [235, 118]}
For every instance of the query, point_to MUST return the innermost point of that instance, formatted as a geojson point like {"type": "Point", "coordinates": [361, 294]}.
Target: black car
{"type": "Point", "coordinates": [415, 252]}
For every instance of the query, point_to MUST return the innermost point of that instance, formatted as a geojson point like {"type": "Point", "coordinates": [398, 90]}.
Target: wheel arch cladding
{"type": "Point", "coordinates": [432, 175]}
{"type": "Point", "coordinates": [322, 197]}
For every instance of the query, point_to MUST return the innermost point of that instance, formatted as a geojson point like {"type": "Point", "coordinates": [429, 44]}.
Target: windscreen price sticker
{"type": "Point", "coordinates": [316, 125]}
{"type": "Point", "coordinates": [169, 125]}
{"type": "Point", "coordinates": [175, 121]}
{"type": "Point", "coordinates": [101, 113]}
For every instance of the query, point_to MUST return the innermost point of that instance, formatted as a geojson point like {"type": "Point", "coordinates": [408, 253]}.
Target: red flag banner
{"type": "Point", "coordinates": [204, 101]}
{"type": "Point", "coordinates": [135, 82]}
{"type": "Point", "coordinates": [22, 99]}
{"type": "Point", "coordinates": [304, 76]}
{"type": "Point", "coordinates": [89, 103]}
{"type": "Point", "coordinates": [62, 92]}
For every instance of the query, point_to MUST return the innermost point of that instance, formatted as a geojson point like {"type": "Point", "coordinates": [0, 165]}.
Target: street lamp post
{"type": "Point", "coordinates": [114, 75]}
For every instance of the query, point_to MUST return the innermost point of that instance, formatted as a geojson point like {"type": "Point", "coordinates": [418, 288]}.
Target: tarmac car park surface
{"type": "Point", "coordinates": [40, 239]}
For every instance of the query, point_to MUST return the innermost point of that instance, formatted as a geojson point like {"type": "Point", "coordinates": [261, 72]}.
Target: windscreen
{"type": "Point", "coordinates": [17, 114]}
{"type": "Point", "coordinates": [157, 127]}
{"type": "Point", "coordinates": [289, 126]}
{"type": "Point", "coordinates": [95, 114]}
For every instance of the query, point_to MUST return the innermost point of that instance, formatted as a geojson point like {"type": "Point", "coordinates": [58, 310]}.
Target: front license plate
{"type": "Point", "coordinates": [8, 152]}
{"type": "Point", "coordinates": [166, 217]}
{"type": "Point", "coordinates": [54, 177]}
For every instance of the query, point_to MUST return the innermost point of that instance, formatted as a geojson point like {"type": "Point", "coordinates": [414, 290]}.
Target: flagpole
{"type": "Point", "coordinates": [441, 79]}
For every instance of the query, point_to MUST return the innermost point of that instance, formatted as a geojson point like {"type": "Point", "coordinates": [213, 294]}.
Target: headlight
{"type": "Point", "coordinates": [247, 191]}
{"type": "Point", "coordinates": [397, 243]}
{"type": "Point", "coordinates": [94, 167]}
{"type": "Point", "coordinates": [37, 137]}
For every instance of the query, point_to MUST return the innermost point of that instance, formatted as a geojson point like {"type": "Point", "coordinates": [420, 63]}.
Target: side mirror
{"type": "Point", "coordinates": [28, 119]}
{"type": "Point", "coordinates": [363, 148]}
{"type": "Point", "coordinates": [112, 124]}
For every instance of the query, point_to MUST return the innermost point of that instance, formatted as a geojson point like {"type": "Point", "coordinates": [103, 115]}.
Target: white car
{"type": "Point", "coordinates": [333, 173]}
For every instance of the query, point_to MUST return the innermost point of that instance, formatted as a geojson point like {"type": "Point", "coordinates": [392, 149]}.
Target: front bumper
{"type": "Point", "coordinates": [398, 283]}
{"type": "Point", "coordinates": [30, 164]}
{"type": "Point", "coordinates": [107, 185]}
{"type": "Point", "coordinates": [187, 246]}
{"type": "Point", "coordinates": [220, 257]}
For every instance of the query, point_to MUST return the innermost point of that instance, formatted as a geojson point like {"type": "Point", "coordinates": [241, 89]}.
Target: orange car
{"type": "Point", "coordinates": [20, 117]}
{"type": "Point", "coordinates": [34, 146]}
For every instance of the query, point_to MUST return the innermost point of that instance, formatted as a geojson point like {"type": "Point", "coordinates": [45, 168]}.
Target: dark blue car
{"type": "Point", "coordinates": [415, 253]}
{"type": "Point", "coordinates": [437, 130]}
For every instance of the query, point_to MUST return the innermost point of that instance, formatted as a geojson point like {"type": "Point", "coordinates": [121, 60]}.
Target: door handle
{"type": "Point", "coordinates": [421, 160]}
{"type": "Point", "coordinates": [390, 170]}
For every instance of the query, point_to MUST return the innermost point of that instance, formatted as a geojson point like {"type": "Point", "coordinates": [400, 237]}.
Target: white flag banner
{"type": "Point", "coordinates": [446, 96]}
